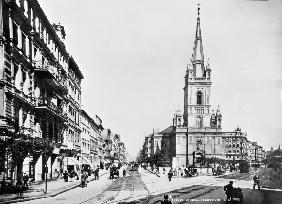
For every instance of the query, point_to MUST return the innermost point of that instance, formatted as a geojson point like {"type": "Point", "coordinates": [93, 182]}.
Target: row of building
{"type": "Point", "coordinates": [197, 132]}
{"type": "Point", "coordinates": [40, 98]}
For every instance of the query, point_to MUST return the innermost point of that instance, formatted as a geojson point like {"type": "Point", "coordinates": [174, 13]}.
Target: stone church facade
{"type": "Point", "coordinates": [197, 133]}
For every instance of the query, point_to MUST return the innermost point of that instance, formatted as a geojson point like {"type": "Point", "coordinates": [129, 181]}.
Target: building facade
{"type": "Point", "coordinates": [40, 98]}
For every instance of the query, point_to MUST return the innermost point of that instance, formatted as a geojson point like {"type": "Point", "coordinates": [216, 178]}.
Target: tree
{"type": "Point", "coordinates": [274, 159]}
{"type": "Point", "coordinates": [244, 166]}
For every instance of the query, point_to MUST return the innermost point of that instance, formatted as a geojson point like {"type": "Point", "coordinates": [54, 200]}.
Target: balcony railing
{"type": "Point", "coordinates": [46, 102]}
{"type": "Point", "coordinates": [50, 73]}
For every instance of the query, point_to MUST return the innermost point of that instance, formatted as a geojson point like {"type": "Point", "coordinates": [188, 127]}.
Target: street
{"type": "Point", "coordinates": [144, 187]}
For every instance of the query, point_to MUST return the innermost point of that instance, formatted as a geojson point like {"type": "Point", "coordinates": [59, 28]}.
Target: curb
{"type": "Point", "coordinates": [46, 196]}
{"type": "Point", "coordinates": [153, 173]}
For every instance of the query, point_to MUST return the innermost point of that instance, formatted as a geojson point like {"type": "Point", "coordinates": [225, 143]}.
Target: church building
{"type": "Point", "coordinates": [197, 133]}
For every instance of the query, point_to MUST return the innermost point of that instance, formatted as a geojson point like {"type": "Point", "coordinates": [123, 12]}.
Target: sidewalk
{"type": "Point", "coordinates": [36, 190]}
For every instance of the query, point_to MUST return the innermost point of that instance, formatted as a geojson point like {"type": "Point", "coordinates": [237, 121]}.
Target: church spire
{"type": "Point", "coordinates": [198, 54]}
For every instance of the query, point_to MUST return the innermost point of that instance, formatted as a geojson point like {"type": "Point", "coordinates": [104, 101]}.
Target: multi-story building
{"type": "Point", "coordinates": [39, 87]}
{"type": "Point", "coordinates": [91, 131]}
{"type": "Point", "coordinates": [114, 149]}
{"type": "Point", "coordinates": [198, 133]}
{"type": "Point", "coordinates": [97, 129]}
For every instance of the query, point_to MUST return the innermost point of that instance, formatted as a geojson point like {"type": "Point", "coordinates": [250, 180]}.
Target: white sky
{"type": "Point", "coordinates": [133, 55]}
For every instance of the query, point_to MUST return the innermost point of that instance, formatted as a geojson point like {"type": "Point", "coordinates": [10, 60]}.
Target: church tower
{"type": "Point", "coordinates": [197, 89]}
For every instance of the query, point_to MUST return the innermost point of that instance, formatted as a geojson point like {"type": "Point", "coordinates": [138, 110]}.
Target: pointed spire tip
{"type": "Point", "coordinates": [199, 9]}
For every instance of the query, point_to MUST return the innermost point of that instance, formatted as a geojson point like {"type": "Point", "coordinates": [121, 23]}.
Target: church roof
{"type": "Point", "coordinates": [167, 130]}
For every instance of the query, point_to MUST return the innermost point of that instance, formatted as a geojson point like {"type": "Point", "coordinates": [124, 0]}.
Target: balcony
{"type": "Point", "coordinates": [45, 105]}
{"type": "Point", "coordinates": [94, 151]}
{"type": "Point", "coordinates": [50, 74]}
{"type": "Point", "coordinates": [20, 96]}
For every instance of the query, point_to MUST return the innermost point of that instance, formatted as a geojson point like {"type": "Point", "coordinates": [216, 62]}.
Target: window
{"type": "Point", "coordinates": [199, 122]}
{"type": "Point", "coordinates": [15, 33]}
{"type": "Point", "coordinates": [199, 98]}
{"type": "Point", "coordinates": [24, 44]}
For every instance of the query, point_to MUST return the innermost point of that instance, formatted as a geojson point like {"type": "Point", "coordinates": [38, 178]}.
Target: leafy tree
{"type": "Point", "coordinates": [244, 167]}
{"type": "Point", "coordinates": [274, 159]}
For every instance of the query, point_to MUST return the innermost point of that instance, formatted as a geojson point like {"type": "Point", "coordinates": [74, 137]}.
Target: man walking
{"type": "Point", "coordinates": [2, 182]}
{"type": "Point", "coordinates": [256, 181]}
{"type": "Point", "coordinates": [66, 176]}
{"type": "Point", "coordinates": [96, 173]}
{"type": "Point", "coordinates": [25, 180]}
{"type": "Point", "coordinates": [19, 188]}
{"type": "Point", "coordinates": [170, 173]}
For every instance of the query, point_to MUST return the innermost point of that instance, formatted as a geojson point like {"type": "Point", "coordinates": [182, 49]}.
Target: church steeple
{"type": "Point", "coordinates": [197, 89]}
{"type": "Point", "coordinates": [198, 54]}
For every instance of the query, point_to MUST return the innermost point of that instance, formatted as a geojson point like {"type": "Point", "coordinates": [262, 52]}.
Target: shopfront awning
{"type": "Point", "coordinates": [86, 161]}
{"type": "Point", "coordinates": [71, 161]}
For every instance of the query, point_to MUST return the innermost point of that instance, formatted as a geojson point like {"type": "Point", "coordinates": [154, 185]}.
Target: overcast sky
{"type": "Point", "coordinates": [133, 54]}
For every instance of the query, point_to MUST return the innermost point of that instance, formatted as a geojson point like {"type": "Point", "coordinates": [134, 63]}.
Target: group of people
{"type": "Point", "coordinates": [72, 174]}
{"type": "Point", "coordinates": [218, 171]}
{"type": "Point", "coordinates": [85, 173]}
{"type": "Point", "coordinates": [21, 184]}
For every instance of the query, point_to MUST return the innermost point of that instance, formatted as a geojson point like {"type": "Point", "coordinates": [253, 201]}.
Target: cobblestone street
{"type": "Point", "coordinates": [144, 187]}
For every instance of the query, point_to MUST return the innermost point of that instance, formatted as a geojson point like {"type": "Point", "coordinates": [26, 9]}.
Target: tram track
{"type": "Point", "coordinates": [114, 190]}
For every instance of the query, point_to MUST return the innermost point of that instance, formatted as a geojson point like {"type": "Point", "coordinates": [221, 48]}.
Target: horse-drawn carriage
{"type": "Point", "coordinates": [232, 193]}
{"type": "Point", "coordinates": [114, 171]}
{"type": "Point", "coordinates": [217, 172]}
{"type": "Point", "coordinates": [237, 193]}
{"type": "Point", "coordinates": [189, 172]}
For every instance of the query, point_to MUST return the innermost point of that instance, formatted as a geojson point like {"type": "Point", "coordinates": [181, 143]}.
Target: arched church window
{"type": "Point", "coordinates": [199, 122]}
{"type": "Point", "coordinates": [199, 98]}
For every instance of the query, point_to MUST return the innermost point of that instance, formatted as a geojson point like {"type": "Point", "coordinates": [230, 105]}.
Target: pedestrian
{"type": "Point", "coordinates": [56, 174]}
{"type": "Point", "coordinates": [66, 176]}
{"type": "Point", "coordinates": [170, 173]}
{"type": "Point", "coordinates": [124, 173]}
{"type": "Point", "coordinates": [96, 173]}
{"type": "Point", "coordinates": [228, 191]}
{"type": "Point", "coordinates": [19, 188]}
{"type": "Point", "coordinates": [83, 180]}
{"type": "Point", "coordinates": [25, 180]}
{"type": "Point", "coordinates": [111, 172]}
{"type": "Point", "coordinates": [86, 177]}
{"type": "Point", "coordinates": [256, 181]}
{"type": "Point", "coordinates": [2, 182]}
{"type": "Point", "coordinates": [166, 200]}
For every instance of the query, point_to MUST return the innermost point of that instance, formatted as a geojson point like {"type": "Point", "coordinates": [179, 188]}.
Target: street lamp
{"type": "Point", "coordinates": [46, 173]}
{"type": "Point", "coordinates": [187, 160]}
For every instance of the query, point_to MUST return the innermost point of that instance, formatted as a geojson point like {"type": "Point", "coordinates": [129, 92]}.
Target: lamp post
{"type": "Point", "coordinates": [187, 160]}
{"type": "Point", "coordinates": [46, 174]}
